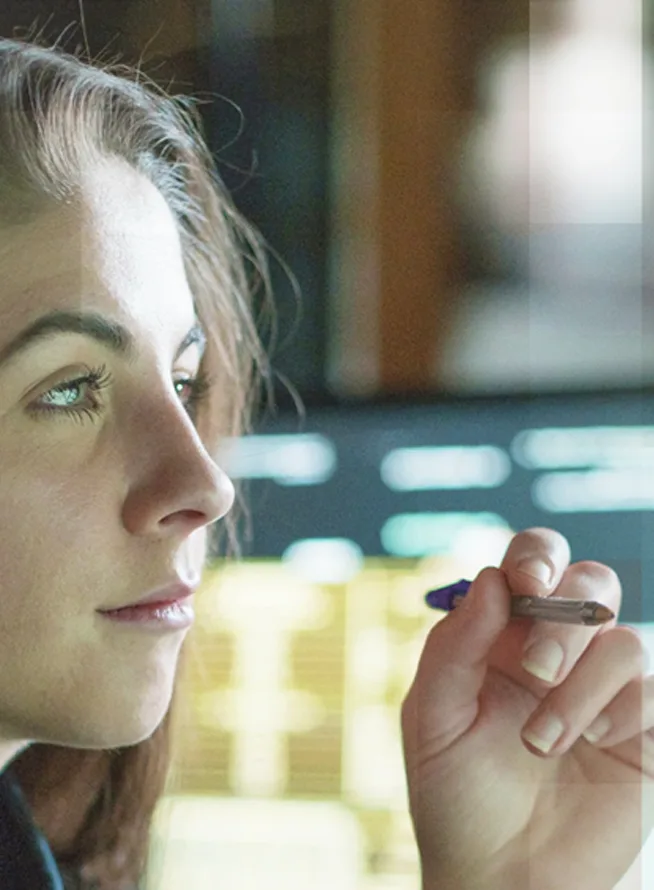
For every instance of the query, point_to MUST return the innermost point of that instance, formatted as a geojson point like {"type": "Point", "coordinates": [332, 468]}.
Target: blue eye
{"type": "Point", "coordinates": [57, 401]}
{"type": "Point", "coordinates": [67, 398]}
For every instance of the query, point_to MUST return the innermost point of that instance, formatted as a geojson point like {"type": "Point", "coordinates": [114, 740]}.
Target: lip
{"type": "Point", "coordinates": [162, 596]}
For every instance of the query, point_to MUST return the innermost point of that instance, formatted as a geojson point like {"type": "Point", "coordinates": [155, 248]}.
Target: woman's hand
{"type": "Point", "coordinates": [492, 806]}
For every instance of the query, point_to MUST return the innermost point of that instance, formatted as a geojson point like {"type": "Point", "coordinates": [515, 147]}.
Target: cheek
{"type": "Point", "coordinates": [55, 481]}
{"type": "Point", "coordinates": [48, 522]}
{"type": "Point", "coordinates": [198, 549]}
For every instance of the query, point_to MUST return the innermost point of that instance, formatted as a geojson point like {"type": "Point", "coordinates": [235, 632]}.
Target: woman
{"type": "Point", "coordinates": [120, 256]}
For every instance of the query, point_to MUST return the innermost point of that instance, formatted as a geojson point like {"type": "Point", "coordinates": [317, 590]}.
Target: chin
{"type": "Point", "coordinates": [137, 726]}
{"type": "Point", "coordinates": [123, 733]}
{"type": "Point", "coordinates": [122, 722]}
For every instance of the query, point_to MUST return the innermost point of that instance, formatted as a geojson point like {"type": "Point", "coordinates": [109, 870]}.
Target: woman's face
{"type": "Point", "coordinates": [96, 509]}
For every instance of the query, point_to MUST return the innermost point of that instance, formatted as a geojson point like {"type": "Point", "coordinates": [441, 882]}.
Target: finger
{"type": "Point", "coordinates": [630, 713]}
{"type": "Point", "coordinates": [611, 661]}
{"type": "Point", "coordinates": [551, 650]}
{"type": "Point", "coordinates": [453, 663]}
{"type": "Point", "coordinates": [535, 561]}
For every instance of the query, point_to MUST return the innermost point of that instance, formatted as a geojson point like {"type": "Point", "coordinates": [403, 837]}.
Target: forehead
{"type": "Point", "coordinates": [114, 248]}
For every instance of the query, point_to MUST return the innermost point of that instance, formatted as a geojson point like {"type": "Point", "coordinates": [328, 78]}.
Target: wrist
{"type": "Point", "coordinates": [489, 880]}
{"type": "Point", "coordinates": [439, 881]}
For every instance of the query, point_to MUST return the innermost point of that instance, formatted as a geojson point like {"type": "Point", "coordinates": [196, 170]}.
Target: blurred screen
{"type": "Point", "coordinates": [288, 770]}
{"type": "Point", "coordinates": [455, 476]}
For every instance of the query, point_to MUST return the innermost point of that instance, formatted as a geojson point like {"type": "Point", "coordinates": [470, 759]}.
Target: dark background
{"type": "Point", "coordinates": [274, 87]}
{"type": "Point", "coordinates": [267, 124]}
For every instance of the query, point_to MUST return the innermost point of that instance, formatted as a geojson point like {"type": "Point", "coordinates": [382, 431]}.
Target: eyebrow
{"type": "Point", "coordinates": [90, 324]}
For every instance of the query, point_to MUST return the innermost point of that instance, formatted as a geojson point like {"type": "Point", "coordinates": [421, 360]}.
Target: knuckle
{"type": "Point", "coordinates": [597, 572]}
{"type": "Point", "coordinates": [631, 642]}
{"type": "Point", "coordinates": [536, 536]}
{"type": "Point", "coordinates": [626, 647]}
{"type": "Point", "coordinates": [538, 540]}
{"type": "Point", "coordinates": [488, 573]}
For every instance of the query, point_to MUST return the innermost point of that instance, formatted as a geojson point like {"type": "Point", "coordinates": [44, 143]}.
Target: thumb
{"type": "Point", "coordinates": [443, 700]}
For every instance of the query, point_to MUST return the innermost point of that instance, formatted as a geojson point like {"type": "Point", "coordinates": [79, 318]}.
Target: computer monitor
{"type": "Point", "coordinates": [289, 770]}
{"type": "Point", "coordinates": [410, 480]}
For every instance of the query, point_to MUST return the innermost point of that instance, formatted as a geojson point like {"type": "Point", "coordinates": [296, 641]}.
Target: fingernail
{"type": "Point", "coordinates": [543, 659]}
{"type": "Point", "coordinates": [544, 733]}
{"type": "Point", "coordinates": [598, 728]}
{"type": "Point", "coordinates": [536, 568]}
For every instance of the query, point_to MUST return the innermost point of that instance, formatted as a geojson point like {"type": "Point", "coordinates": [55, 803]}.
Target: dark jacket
{"type": "Point", "coordinates": [26, 861]}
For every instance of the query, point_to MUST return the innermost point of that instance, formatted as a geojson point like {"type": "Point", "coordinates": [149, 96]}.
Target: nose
{"type": "Point", "coordinates": [177, 486]}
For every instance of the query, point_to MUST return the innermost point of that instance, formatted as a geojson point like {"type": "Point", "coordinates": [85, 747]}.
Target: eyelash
{"type": "Point", "coordinates": [98, 379]}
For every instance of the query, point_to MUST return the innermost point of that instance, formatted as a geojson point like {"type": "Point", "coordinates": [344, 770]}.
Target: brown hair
{"type": "Point", "coordinates": [59, 114]}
